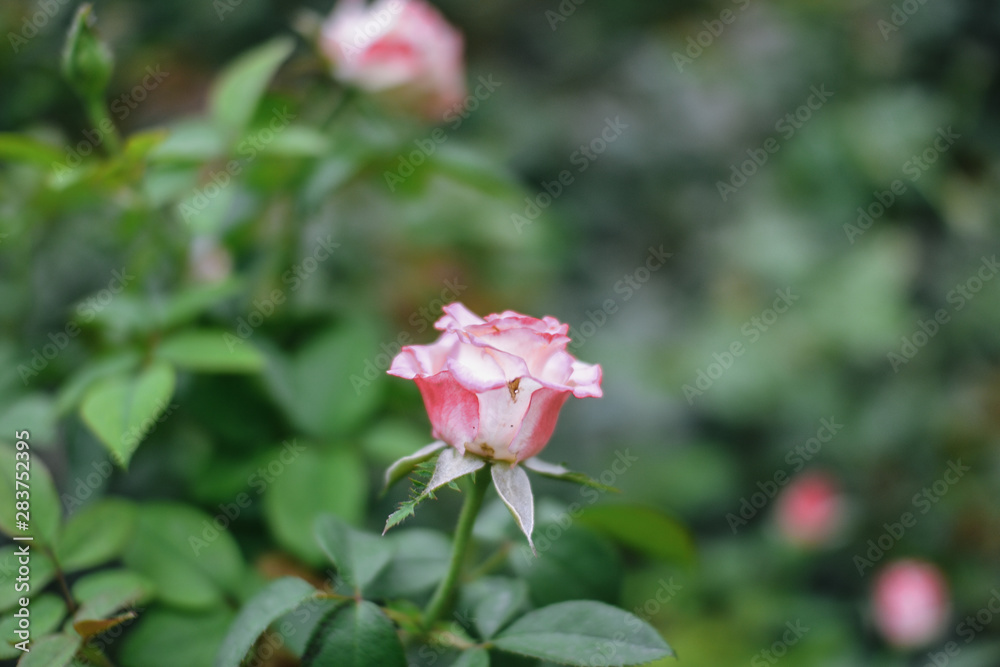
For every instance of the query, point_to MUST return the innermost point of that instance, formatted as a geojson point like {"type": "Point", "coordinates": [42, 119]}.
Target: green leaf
{"type": "Point", "coordinates": [74, 389]}
{"type": "Point", "coordinates": [193, 140]}
{"type": "Point", "coordinates": [123, 408]}
{"type": "Point", "coordinates": [476, 657]}
{"type": "Point", "coordinates": [207, 351]}
{"type": "Point", "coordinates": [298, 141]}
{"type": "Point", "coordinates": [406, 510]}
{"type": "Point", "coordinates": [126, 316]}
{"type": "Point", "coordinates": [645, 529]}
{"type": "Point", "coordinates": [560, 472]}
{"type": "Point", "coordinates": [38, 410]}
{"type": "Point", "coordinates": [44, 512]}
{"type": "Point", "coordinates": [359, 557]}
{"type": "Point", "coordinates": [572, 563]}
{"type": "Point", "coordinates": [404, 466]}
{"type": "Point", "coordinates": [47, 611]}
{"type": "Point", "coordinates": [277, 598]}
{"type": "Point", "coordinates": [332, 369]}
{"type": "Point", "coordinates": [490, 603]}
{"type": "Point", "coordinates": [121, 584]}
{"type": "Point", "coordinates": [42, 572]}
{"type": "Point", "coordinates": [51, 651]}
{"type": "Point", "coordinates": [96, 534]}
{"type": "Point", "coordinates": [192, 302]}
{"type": "Point", "coordinates": [141, 144]}
{"type": "Point", "coordinates": [166, 638]}
{"type": "Point", "coordinates": [419, 562]}
{"type": "Point", "coordinates": [316, 482]}
{"type": "Point", "coordinates": [514, 488]}
{"type": "Point", "coordinates": [86, 62]}
{"type": "Point", "coordinates": [583, 632]}
{"type": "Point", "coordinates": [237, 92]}
{"type": "Point", "coordinates": [17, 147]}
{"type": "Point", "coordinates": [299, 625]}
{"type": "Point", "coordinates": [191, 563]}
{"type": "Point", "coordinates": [357, 635]}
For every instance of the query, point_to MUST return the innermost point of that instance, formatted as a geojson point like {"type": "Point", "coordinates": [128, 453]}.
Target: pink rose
{"type": "Point", "coordinates": [494, 386]}
{"type": "Point", "coordinates": [910, 603]}
{"type": "Point", "coordinates": [811, 510]}
{"type": "Point", "coordinates": [403, 51]}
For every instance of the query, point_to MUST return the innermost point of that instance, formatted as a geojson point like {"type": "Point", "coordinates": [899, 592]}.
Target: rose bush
{"type": "Point", "coordinates": [402, 51]}
{"type": "Point", "coordinates": [494, 386]}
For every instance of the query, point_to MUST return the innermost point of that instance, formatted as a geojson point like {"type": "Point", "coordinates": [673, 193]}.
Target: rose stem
{"type": "Point", "coordinates": [446, 589]}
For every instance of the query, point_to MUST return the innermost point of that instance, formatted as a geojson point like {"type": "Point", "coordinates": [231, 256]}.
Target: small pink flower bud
{"type": "Point", "coordinates": [402, 51]}
{"type": "Point", "coordinates": [810, 511]}
{"type": "Point", "coordinates": [910, 603]}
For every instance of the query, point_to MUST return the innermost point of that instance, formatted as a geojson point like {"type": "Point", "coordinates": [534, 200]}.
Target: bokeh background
{"type": "Point", "coordinates": [883, 325]}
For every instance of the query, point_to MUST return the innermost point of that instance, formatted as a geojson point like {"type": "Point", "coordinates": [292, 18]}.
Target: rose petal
{"type": "Point", "coordinates": [453, 409]}
{"type": "Point", "coordinates": [539, 422]}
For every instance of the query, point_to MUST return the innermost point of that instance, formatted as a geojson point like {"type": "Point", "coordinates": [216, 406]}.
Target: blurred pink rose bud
{"type": "Point", "coordinates": [910, 603]}
{"type": "Point", "coordinates": [494, 386]}
{"type": "Point", "coordinates": [402, 51]}
{"type": "Point", "coordinates": [810, 511]}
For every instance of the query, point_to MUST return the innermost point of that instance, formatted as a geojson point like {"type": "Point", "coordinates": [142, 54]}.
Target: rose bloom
{"type": "Point", "coordinates": [402, 51]}
{"type": "Point", "coordinates": [910, 603]}
{"type": "Point", "coordinates": [811, 510]}
{"type": "Point", "coordinates": [494, 386]}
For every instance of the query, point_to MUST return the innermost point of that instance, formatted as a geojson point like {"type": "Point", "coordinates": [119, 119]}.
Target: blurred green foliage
{"type": "Point", "coordinates": [214, 303]}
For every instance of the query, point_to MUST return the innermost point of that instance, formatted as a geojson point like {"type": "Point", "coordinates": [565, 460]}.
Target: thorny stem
{"type": "Point", "coordinates": [442, 597]}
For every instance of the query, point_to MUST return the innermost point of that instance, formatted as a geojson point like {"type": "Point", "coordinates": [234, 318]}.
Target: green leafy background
{"type": "Point", "coordinates": [205, 346]}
